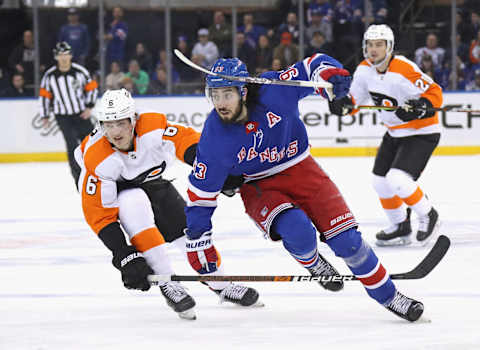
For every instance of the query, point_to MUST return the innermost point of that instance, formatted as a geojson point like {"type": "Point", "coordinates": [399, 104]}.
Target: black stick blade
{"type": "Point", "coordinates": [428, 263]}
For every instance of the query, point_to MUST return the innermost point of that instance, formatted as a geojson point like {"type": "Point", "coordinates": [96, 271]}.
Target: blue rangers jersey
{"type": "Point", "coordinates": [273, 139]}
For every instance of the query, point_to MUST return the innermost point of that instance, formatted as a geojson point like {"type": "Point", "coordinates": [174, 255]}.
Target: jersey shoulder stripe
{"type": "Point", "coordinates": [148, 122]}
{"type": "Point", "coordinates": [405, 67]}
{"type": "Point", "coordinates": [96, 152]}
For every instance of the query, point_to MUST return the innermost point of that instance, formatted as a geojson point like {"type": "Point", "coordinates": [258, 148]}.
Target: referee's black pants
{"type": "Point", "coordinates": [74, 130]}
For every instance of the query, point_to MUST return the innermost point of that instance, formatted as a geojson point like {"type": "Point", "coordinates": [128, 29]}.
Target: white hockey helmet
{"type": "Point", "coordinates": [378, 32]}
{"type": "Point", "coordinates": [116, 105]}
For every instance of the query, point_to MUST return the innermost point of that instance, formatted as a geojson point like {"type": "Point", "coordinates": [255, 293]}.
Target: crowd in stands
{"type": "Point", "coordinates": [334, 27]}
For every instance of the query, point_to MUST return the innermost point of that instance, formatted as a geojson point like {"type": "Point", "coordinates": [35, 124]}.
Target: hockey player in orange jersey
{"type": "Point", "coordinates": [413, 132]}
{"type": "Point", "coordinates": [122, 190]}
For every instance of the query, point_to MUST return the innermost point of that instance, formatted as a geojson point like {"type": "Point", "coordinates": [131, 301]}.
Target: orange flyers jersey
{"type": "Point", "coordinates": [156, 145]}
{"type": "Point", "coordinates": [402, 81]}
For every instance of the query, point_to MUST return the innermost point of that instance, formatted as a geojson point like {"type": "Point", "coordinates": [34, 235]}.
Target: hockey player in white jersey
{"type": "Point", "coordinates": [122, 189]}
{"type": "Point", "coordinates": [413, 132]}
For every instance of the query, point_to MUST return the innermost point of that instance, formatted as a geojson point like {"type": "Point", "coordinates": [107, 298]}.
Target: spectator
{"type": "Point", "coordinates": [186, 73]}
{"type": "Point", "coordinates": [473, 27]}
{"type": "Point", "coordinates": [22, 57]}
{"type": "Point", "coordinates": [162, 63]}
{"type": "Point", "coordinates": [321, 22]}
{"type": "Point", "coordinates": [158, 86]}
{"type": "Point", "coordinates": [127, 83]}
{"type": "Point", "coordinates": [426, 66]}
{"type": "Point", "coordinates": [319, 44]}
{"type": "Point", "coordinates": [444, 75]}
{"type": "Point", "coordinates": [205, 52]}
{"type": "Point", "coordinates": [432, 49]}
{"type": "Point", "coordinates": [116, 37]}
{"type": "Point", "coordinates": [113, 81]}
{"type": "Point", "coordinates": [276, 64]}
{"type": "Point", "coordinates": [221, 34]}
{"type": "Point", "coordinates": [4, 83]}
{"type": "Point", "coordinates": [143, 57]}
{"type": "Point", "coordinates": [138, 76]}
{"type": "Point", "coordinates": [319, 6]}
{"type": "Point", "coordinates": [286, 51]}
{"type": "Point", "coordinates": [76, 35]}
{"type": "Point", "coordinates": [246, 53]}
{"type": "Point", "coordinates": [291, 26]}
{"type": "Point", "coordinates": [252, 31]}
{"type": "Point", "coordinates": [474, 52]}
{"type": "Point", "coordinates": [264, 55]}
{"type": "Point", "coordinates": [463, 51]}
{"type": "Point", "coordinates": [474, 85]}
{"type": "Point", "coordinates": [17, 88]}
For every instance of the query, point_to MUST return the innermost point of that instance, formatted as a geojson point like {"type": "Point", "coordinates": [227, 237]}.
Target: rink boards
{"type": "Point", "coordinates": [26, 139]}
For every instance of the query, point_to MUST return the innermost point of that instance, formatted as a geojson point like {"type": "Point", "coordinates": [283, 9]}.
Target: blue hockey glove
{"type": "Point", "coordinates": [201, 253]}
{"type": "Point", "coordinates": [415, 109]}
{"type": "Point", "coordinates": [340, 79]}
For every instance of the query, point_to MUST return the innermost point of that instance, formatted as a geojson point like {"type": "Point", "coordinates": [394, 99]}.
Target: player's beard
{"type": "Point", "coordinates": [237, 117]}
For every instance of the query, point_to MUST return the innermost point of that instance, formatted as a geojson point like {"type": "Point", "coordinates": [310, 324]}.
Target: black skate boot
{"type": "Point", "coordinates": [324, 268]}
{"type": "Point", "coordinates": [238, 294]}
{"type": "Point", "coordinates": [405, 307]}
{"type": "Point", "coordinates": [178, 299]}
{"type": "Point", "coordinates": [398, 234]}
{"type": "Point", "coordinates": [427, 225]}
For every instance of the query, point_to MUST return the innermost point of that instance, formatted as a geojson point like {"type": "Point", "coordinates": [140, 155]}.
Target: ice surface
{"type": "Point", "coordinates": [58, 289]}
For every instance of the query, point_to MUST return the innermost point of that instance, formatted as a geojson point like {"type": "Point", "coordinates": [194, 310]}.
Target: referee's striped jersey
{"type": "Point", "coordinates": [67, 93]}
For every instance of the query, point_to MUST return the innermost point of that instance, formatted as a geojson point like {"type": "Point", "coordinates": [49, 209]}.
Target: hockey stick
{"type": "Point", "coordinates": [433, 109]}
{"type": "Point", "coordinates": [428, 263]}
{"type": "Point", "coordinates": [254, 80]}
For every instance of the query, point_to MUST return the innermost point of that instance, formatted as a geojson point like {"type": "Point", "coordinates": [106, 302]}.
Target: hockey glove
{"type": "Point", "coordinates": [133, 266]}
{"type": "Point", "coordinates": [201, 253]}
{"type": "Point", "coordinates": [340, 79]}
{"type": "Point", "coordinates": [415, 109]}
{"type": "Point", "coordinates": [232, 184]}
{"type": "Point", "coordinates": [341, 106]}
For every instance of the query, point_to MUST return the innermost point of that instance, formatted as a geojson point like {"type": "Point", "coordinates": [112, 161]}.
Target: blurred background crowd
{"type": "Point", "coordinates": [133, 47]}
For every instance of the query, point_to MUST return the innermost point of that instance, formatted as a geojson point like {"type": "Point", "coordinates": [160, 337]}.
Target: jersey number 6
{"type": "Point", "coordinates": [91, 186]}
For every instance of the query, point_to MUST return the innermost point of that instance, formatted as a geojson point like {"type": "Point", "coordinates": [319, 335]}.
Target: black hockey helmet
{"type": "Point", "coordinates": [62, 47]}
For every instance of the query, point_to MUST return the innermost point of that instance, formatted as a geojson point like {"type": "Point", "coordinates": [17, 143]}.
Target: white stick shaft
{"type": "Point", "coordinates": [255, 80]}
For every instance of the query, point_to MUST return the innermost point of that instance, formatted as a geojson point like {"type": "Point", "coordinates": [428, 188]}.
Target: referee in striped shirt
{"type": "Point", "coordinates": [69, 92]}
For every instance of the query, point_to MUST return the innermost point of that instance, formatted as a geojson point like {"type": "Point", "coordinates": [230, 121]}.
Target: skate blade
{"type": "Point", "coordinates": [259, 303]}
{"type": "Point", "coordinates": [399, 241]}
{"type": "Point", "coordinates": [423, 319]}
{"type": "Point", "coordinates": [187, 315]}
{"type": "Point", "coordinates": [435, 232]}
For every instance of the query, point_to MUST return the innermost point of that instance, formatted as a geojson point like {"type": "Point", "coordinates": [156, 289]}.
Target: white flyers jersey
{"type": "Point", "coordinates": [156, 145]}
{"type": "Point", "coordinates": [402, 81]}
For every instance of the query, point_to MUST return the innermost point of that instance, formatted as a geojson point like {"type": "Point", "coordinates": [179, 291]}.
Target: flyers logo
{"type": "Point", "coordinates": [383, 100]}
{"type": "Point", "coordinates": [156, 172]}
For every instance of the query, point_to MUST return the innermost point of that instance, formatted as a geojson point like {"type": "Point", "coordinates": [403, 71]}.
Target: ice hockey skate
{"type": "Point", "coordinates": [405, 307]}
{"type": "Point", "coordinates": [427, 226]}
{"type": "Point", "coordinates": [238, 294]}
{"type": "Point", "coordinates": [396, 235]}
{"type": "Point", "coordinates": [324, 268]}
{"type": "Point", "coordinates": [178, 299]}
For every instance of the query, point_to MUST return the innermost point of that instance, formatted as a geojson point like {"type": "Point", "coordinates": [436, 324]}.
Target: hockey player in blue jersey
{"type": "Point", "coordinates": [254, 132]}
